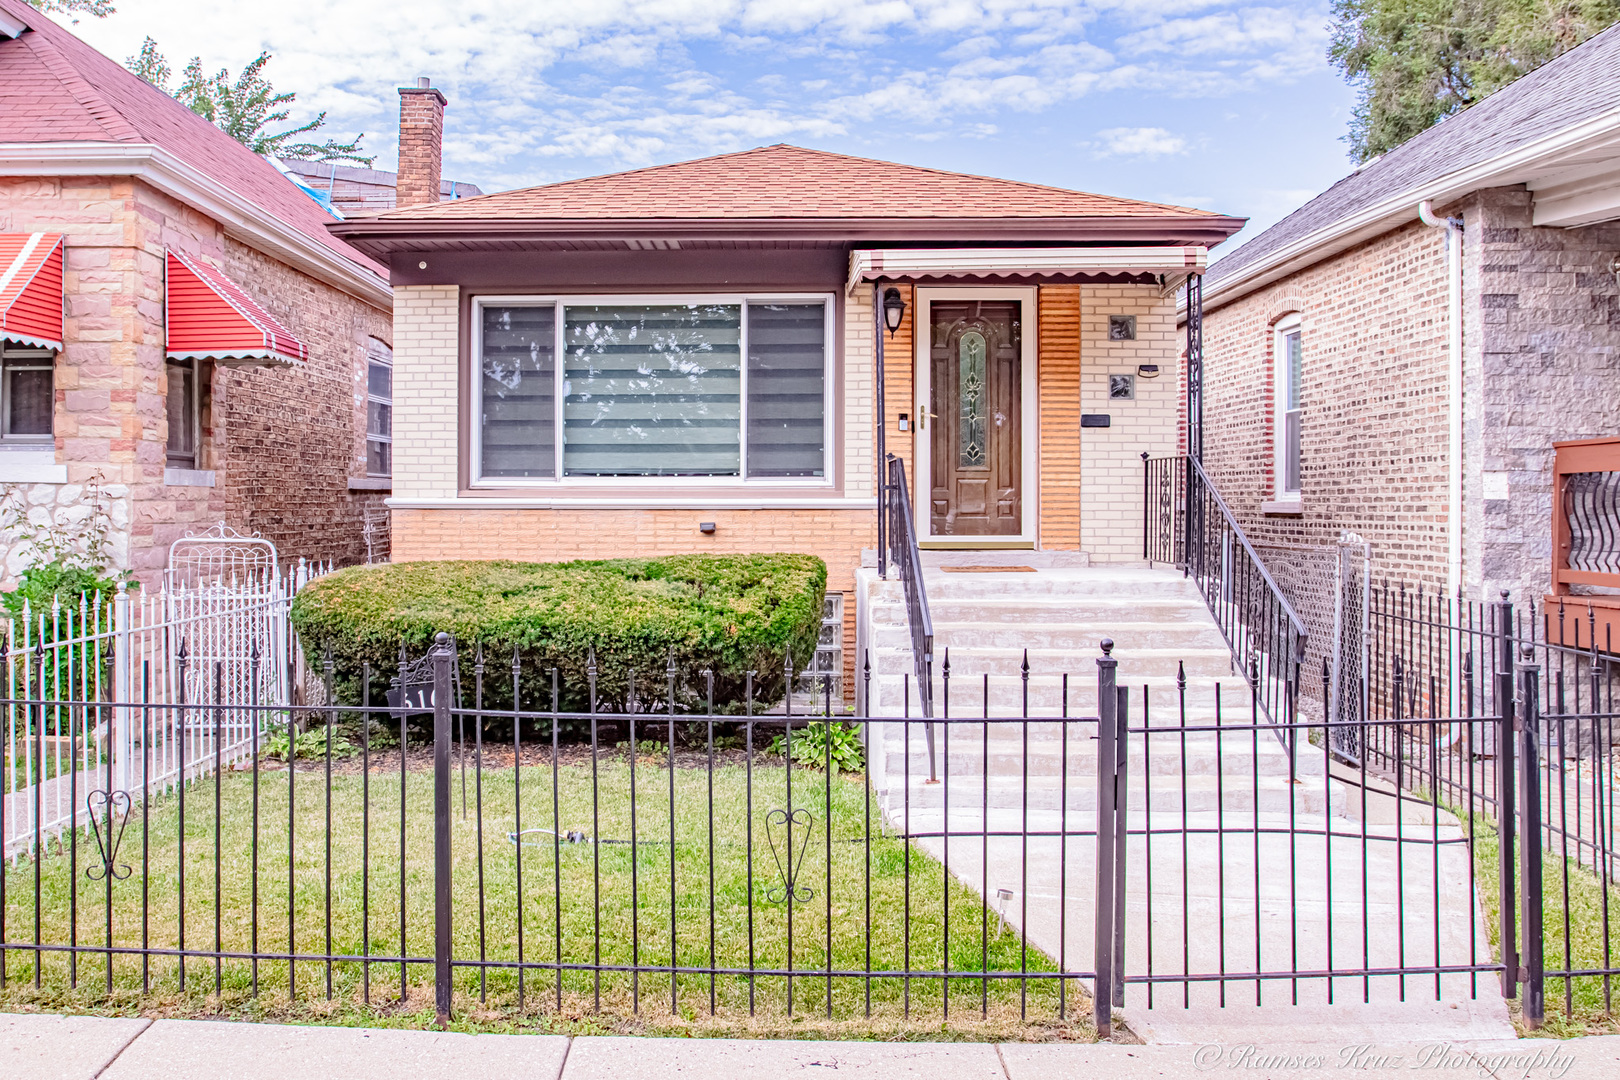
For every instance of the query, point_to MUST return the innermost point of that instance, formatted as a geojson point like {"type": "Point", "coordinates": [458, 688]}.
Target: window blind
{"type": "Point", "coordinates": [652, 390]}
{"type": "Point", "coordinates": [519, 363]}
{"type": "Point", "coordinates": [787, 349]}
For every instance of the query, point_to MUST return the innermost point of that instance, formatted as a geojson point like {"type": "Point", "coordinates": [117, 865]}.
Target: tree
{"type": "Point", "coordinates": [243, 107]}
{"type": "Point", "coordinates": [99, 8]}
{"type": "Point", "coordinates": [1416, 62]}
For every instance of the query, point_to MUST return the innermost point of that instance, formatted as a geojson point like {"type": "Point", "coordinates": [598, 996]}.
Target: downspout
{"type": "Point", "coordinates": [1454, 343]}
{"type": "Point", "coordinates": [1454, 386]}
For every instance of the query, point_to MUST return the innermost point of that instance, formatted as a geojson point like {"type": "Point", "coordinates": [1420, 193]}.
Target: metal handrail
{"type": "Point", "coordinates": [907, 559]}
{"type": "Point", "coordinates": [1265, 634]}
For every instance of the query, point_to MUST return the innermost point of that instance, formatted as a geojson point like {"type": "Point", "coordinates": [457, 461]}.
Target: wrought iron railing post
{"type": "Point", "coordinates": [442, 656]}
{"type": "Point", "coordinates": [1533, 1003]}
{"type": "Point", "coordinates": [1103, 949]}
{"type": "Point", "coordinates": [1121, 834]}
{"type": "Point", "coordinates": [1505, 780]}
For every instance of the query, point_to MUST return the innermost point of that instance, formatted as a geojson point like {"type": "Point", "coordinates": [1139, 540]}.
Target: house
{"type": "Point", "coordinates": [177, 321]}
{"type": "Point", "coordinates": [351, 190]}
{"type": "Point", "coordinates": [1396, 359]}
{"type": "Point", "coordinates": [686, 358]}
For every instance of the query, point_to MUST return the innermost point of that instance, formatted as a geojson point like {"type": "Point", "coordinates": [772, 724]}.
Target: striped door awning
{"type": "Point", "coordinates": [210, 317]}
{"type": "Point", "coordinates": [31, 289]}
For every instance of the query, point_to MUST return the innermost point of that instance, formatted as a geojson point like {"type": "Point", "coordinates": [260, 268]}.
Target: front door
{"type": "Point", "coordinates": [976, 409]}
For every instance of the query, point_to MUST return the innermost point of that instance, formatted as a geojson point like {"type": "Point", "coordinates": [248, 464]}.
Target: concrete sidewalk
{"type": "Point", "coordinates": [46, 1047]}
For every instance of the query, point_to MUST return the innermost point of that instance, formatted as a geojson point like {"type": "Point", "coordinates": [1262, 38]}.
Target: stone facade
{"type": "Point", "coordinates": [1541, 359]}
{"type": "Point", "coordinates": [280, 443]}
{"type": "Point", "coordinates": [1542, 365]}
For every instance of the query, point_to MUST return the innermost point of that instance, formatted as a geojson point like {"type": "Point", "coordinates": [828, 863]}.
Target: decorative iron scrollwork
{"type": "Point", "coordinates": [109, 816]}
{"type": "Point", "coordinates": [789, 859]}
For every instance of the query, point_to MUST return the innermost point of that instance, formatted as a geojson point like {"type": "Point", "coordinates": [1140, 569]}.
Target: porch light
{"type": "Point", "coordinates": [894, 309]}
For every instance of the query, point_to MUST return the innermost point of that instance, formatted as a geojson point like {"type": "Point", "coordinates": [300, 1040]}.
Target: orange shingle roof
{"type": "Point", "coordinates": [775, 182]}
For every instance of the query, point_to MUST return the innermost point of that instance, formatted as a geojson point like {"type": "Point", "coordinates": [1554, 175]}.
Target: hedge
{"type": "Point", "coordinates": [728, 613]}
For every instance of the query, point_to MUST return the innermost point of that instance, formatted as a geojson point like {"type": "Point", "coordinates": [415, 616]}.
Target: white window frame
{"type": "Point", "coordinates": [28, 359]}
{"type": "Point", "coordinates": [557, 480]}
{"type": "Point", "coordinates": [1284, 328]}
{"type": "Point", "coordinates": [372, 357]}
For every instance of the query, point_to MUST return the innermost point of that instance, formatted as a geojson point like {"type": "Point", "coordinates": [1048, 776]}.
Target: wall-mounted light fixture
{"type": "Point", "coordinates": [1147, 371]}
{"type": "Point", "coordinates": [894, 309]}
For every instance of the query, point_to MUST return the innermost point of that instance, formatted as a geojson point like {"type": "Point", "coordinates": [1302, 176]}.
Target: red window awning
{"type": "Point", "coordinates": [209, 317]}
{"type": "Point", "coordinates": [31, 289]}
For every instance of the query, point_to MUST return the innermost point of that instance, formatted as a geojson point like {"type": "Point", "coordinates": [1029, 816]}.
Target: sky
{"type": "Point", "coordinates": [1229, 107]}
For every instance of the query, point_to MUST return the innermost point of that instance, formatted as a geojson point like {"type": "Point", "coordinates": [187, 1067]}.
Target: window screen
{"type": "Point", "coordinates": [519, 367]}
{"type": "Point", "coordinates": [652, 390]}
{"type": "Point", "coordinates": [787, 349]}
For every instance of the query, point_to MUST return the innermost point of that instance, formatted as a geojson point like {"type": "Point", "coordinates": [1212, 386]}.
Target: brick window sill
{"type": "Point", "coordinates": [1283, 507]}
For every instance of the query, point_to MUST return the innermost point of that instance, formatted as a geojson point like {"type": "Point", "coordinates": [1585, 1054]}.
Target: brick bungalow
{"type": "Point", "coordinates": [683, 358]}
{"type": "Point", "coordinates": [1397, 357]}
{"type": "Point", "coordinates": [176, 319]}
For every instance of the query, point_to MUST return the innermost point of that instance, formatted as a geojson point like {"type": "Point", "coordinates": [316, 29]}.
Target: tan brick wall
{"type": "Point", "coordinates": [426, 352]}
{"type": "Point", "coordinates": [1111, 457]}
{"type": "Point", "coordinates": [1373, 435]}
{"type": "Point", "coordinates": [860, 397]}
{"type": "Point", "coordinates": [900, 387]}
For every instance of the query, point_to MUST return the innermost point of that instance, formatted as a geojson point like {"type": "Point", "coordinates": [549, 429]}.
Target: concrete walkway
{"type": "Point", "coordinates": [45, 1047]}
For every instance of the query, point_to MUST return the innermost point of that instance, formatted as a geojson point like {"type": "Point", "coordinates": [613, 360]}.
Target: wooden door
{"type": "Point", "coordinates": [975, 441]}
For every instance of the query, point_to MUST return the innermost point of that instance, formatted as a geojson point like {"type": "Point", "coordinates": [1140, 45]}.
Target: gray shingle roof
{"type": "Point", "coordinates": [1581, 84]}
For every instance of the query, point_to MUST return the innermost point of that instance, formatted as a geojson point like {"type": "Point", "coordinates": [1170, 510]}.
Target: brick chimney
{"type": "Point", "coordinates": [421, 143]}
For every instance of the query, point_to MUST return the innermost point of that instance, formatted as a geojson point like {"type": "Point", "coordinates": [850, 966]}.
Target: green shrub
{"type": "Point", "coordinates": [810, 746]}
{"type": "Point", "coordinates": [728, 613]}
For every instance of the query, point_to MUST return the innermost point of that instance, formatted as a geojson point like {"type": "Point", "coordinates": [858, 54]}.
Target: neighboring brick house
{"type": "Point", "coordinates": [1425, 423]}
{"type": "Point", "coordinates": [682, 359]}
{"type": "Point", "coordinates": [215, 351]}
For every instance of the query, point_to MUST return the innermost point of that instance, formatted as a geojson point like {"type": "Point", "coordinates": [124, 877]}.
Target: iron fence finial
{"type": "Point", "coordinates": [1107, 648]}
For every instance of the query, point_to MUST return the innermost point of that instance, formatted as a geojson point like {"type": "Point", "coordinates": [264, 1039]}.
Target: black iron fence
{"type": "Point", "coordinates": [770, 863]}
{"type": "Point", "coordinates": [904, 555]}
{"type": "Point", "coordinates": [1186, 522]}
{"type": "Point", "coordinates": [1505, 713]}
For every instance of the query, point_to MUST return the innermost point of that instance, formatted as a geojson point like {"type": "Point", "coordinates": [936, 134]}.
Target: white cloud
{"type": "Point", "coordinates": [1140, 142]}
{"type": "Point", "coordinates": [541, 91]}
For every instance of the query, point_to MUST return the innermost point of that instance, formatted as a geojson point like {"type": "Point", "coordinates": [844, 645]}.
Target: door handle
{"type": "Point", "coordinates": [922, 419]}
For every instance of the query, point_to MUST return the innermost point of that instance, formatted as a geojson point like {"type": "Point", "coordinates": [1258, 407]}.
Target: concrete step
{"type": "Point", "coordinates": [1272, 795]}
{"type": "Point", "coordinates": [1082, 638]}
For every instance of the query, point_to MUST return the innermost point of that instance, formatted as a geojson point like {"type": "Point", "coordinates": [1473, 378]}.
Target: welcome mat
{"type": "Point", "coordinates": [988, 569]}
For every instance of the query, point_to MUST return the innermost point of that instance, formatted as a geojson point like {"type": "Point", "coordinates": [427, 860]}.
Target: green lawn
{"type": "Point", "coordinates": [612, 901]}
{"type": "Point", "coordinates": [1574, 1006]}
